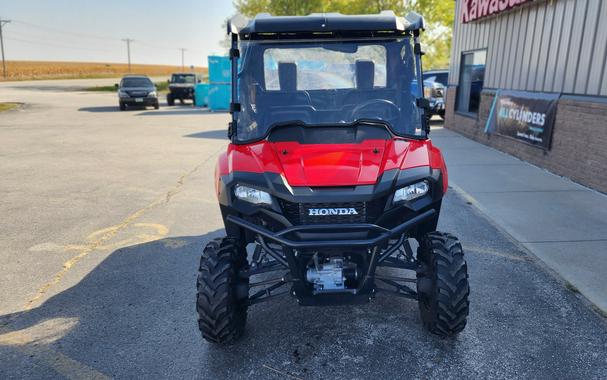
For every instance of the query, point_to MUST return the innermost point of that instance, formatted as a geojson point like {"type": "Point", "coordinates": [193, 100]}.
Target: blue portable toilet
{"type": "Point", "coordinates": [220, 79]}
{"type": "Point", "coordinates": [219, 96]}
{"type": "Point", "coordinates": [201, 94]}
{"type": "Point", "coordinates": [219, 69]}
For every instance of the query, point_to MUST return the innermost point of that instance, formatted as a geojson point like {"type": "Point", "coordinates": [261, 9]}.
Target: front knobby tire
{"type": "Point", "coordinates": [221, 297]}
{"type": "Point", "coordinates": [442, 284]}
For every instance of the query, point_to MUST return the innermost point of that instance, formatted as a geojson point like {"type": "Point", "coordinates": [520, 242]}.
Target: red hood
{"type": "Point", "coordinates": [330, 164]}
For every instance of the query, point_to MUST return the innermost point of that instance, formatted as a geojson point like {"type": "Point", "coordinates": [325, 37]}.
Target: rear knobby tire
{"type": "Point", "coordinates": [442, 284]}
{"type": "Point", "coordinates": [122, 106]}
{"type": "Point", "coordinates": [221, 298]}
{"type": "Point", "coordinates": [170, 100]}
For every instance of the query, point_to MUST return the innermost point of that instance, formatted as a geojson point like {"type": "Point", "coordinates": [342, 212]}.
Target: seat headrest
{"type": "Point", "coordinates": [365, 75]}
{"type": "Point", "coordinates": [287, 76]}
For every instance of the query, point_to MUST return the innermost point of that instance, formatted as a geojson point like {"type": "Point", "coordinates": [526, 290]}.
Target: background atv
{"type": "Point", "coordinates": [181, 87]}
{"type": "Point", "coordinates": [330, 179]}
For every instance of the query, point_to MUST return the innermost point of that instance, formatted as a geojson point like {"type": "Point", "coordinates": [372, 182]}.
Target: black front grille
{"type": "Point", "coordinates": [138, 94]}
{"type": "Point", "coordinates": [182, 91]}
{"type": "Point", "coordinates": [333, 213]}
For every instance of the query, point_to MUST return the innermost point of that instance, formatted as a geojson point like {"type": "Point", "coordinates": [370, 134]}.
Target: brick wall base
{"type": "Point", "coordinates": [579, 138]}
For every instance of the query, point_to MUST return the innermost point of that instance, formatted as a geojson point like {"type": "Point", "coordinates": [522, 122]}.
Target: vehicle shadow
{"type": "Point", "coordinates": [174, 110]}
{"type": "Point", "coordinates": [100, 109]}
{"type": "Point", "coordinates": [219, 134]}
{"type": "Point", "coordinates": [139, 295]}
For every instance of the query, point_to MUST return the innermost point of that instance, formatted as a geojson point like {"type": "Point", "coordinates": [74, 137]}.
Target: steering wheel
{"type": "Point", "coordinates": [381, 109]}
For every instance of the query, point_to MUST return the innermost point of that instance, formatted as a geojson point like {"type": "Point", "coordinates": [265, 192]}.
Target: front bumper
{"type": "Point", "coordinates": [297, 253]}
{"type": "Point", "coordinates": [182, 92]}
{"type": "Point", "coordinates": [144, 101]}
{"type": "Point", "coordinates": [437, 106]}
{"type": "Point", "coordinates": [316, 234]}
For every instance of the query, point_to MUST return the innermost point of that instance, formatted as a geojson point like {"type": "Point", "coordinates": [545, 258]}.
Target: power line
{"type": "Point", "coordinates": [148, 45]}
{"type": "Point", "coordinates": [17, 31]}
{"type": "Point", "coordinates": [82, 35]}
{"type": "Point", "coordinates": [35, 41]}
{"type": "Point", "coordinates": [76, 34]}
{"type": "Point", "coordinates": [2, 23]}
{"type": "Point", "coordinates": [52, 44]}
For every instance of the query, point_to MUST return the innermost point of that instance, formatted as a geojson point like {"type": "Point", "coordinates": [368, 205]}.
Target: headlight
{"type": "Point", "coordinates": [252, 195]}
{"type": "Point", "coordinates": [411, 192]}
{"type": "Point", "coordinates": [153, 94]}
{"type": "Point", "coordinates": [123, 94]}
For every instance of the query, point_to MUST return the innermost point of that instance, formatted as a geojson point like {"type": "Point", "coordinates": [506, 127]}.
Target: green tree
{"type": "Point", "coordinates": [438, 16]}
{"type": "Point", "coordinates": [437, 13]}
{"type": "Point", "coordinates": [301, 7]}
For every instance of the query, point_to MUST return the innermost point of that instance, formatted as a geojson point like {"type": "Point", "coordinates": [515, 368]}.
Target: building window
{"type": "Point", "coordinates": [471, 78]}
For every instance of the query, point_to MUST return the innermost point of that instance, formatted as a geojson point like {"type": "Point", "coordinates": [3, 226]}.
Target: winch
{"type": "Point", "coordinates": [331, 275]}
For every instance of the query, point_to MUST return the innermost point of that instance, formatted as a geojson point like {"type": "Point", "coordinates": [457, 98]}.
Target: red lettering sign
{"type": "Point", "coordinates": [476, 9]}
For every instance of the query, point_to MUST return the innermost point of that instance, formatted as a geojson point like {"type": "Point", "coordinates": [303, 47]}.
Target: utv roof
{"type": "Point", "coordinates": [265, 25]}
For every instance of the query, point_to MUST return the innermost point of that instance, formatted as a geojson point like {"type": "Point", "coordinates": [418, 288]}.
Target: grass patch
{"type": "Point", "coordinates": [8, 106]}
{"type": "Point", "coordinates": [161, 86]}
{"type": "Point", "coordinates": [101, 88]}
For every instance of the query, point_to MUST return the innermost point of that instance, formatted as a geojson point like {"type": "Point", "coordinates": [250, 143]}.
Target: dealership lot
{"type": "Point", "coordinates": [104, 216]}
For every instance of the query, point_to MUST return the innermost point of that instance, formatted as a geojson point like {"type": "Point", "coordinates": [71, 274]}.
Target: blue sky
{"type": "Point", "coordinates": [91, 30]}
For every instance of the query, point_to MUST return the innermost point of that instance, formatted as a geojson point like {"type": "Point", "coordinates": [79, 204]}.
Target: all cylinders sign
{"type": "Point", "coordinates": [524, 116]}
{"type": "Point", "coordinates": [476, 9]}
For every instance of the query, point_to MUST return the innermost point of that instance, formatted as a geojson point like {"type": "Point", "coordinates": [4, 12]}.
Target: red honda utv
{"type": "Point", "coordinates": [329, 179]}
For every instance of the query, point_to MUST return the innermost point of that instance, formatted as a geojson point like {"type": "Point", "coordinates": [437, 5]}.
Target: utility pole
{"type": "Point", "coordinates": [128, 50]}
{"type": "Point", "coordinates": [2, 23]}
{"type": "Point", "coordinates": [182, 59]}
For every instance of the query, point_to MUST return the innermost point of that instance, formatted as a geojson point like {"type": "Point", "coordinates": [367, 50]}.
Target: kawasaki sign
{"type": "Point", "coordinates": [476, 9]}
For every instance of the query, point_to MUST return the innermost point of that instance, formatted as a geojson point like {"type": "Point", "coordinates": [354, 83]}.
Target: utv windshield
{"type": "Point", "coordinates": [327, 82]}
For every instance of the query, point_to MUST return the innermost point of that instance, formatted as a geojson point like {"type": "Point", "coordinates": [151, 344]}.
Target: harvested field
{"type": "Point", "coordinates": [31, 70]}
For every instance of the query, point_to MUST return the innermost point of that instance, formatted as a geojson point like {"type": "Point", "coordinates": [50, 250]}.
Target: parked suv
{"type": "Point", "coordinates": [181, 86]}
{"type": "Point", "coordinates": [137, 90]}
{"type": "Point", "coordinates": [435, 87]}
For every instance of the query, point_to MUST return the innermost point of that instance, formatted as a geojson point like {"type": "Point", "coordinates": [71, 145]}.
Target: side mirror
{"type": "Point", "coordinates": [116, 86]}
{"type": "Point", "coordinates": [168, 81]}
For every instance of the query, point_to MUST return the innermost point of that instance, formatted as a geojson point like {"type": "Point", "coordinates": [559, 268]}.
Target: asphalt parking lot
{"type": "Point", "coordinates": [104, 217]}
